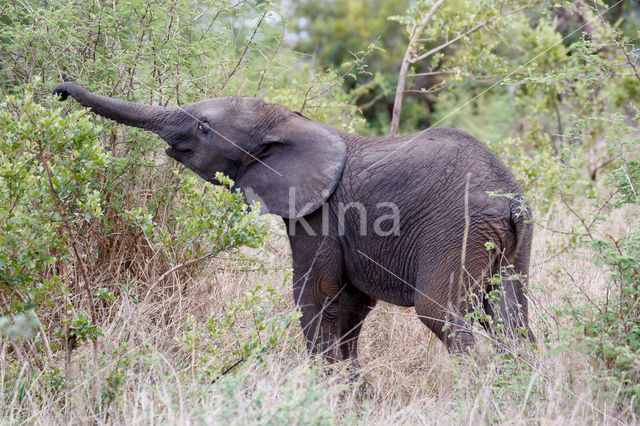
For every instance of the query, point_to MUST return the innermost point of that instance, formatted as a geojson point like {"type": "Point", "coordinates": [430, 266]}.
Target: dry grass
{"type": "Point", "coordinates": [408, 377]}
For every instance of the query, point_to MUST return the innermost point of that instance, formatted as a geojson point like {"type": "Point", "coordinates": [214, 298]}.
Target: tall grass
{"type": "Point", "coordinates": [148, 373]}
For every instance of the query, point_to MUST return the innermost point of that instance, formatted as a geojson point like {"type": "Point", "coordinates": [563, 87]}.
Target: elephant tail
{"type": "Point", "coordinates": [514, 303]}
{"type": "Point", "coordinates": [522, 221]}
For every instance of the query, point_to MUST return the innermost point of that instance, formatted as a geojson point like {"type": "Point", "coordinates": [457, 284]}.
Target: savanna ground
{"type": "Point", "coordinates": [132, 292]}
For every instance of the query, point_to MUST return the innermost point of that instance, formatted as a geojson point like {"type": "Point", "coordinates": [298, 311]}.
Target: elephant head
{"type": "Point", "coordinates": [281, 158]}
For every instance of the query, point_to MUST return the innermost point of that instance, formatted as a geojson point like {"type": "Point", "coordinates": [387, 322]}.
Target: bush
{"type": "Point", "coordinates": [608, 329]}
{"type": "Point", "coordinates": [49, 175]}
{"type": "Point", "coordinates": [53, 174]}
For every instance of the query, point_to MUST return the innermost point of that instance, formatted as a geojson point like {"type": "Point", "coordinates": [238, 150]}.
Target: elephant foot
{"type": "Point", "coordinates": [461, 343]}
{"type": "Point", "coordinates": [460, 340]}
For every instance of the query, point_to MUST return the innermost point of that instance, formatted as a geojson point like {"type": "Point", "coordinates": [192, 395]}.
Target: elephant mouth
{"type": "Point", "coordinates": [178, 151]}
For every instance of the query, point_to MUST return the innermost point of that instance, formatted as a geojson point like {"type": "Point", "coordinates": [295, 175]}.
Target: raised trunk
{"type": "Point", "coordinates": [155, 118]}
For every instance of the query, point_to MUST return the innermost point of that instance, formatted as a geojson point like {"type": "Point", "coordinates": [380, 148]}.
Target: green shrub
{"type": "Point", "coordinates": [609, 328]}
{"type": "Point", "coordinates": [53, 174]}
{"type": "Point", "coordinates": [49, 198]}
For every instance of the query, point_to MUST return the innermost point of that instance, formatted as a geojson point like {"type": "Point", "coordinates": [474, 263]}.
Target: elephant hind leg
{"type": "Point", "coordinates": [450, 328]}
{"type": "Point", "coordinates": [444, 295]}
{"type": "Point", "coordinates": [441, 308]}
{"type": "Point", "coordinates": [510, 310]}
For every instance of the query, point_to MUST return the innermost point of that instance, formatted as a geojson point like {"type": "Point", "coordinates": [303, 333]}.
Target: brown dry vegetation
{"type": "Point", "coordinates": [408, 376]}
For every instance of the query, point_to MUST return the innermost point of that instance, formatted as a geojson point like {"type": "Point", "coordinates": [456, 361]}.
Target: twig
{"type": "Point", "coordinates": [244, 52]}
{"type": "Point", "coordinates": [273, 56]}
{"type": "Point", "coordinates": [557, 137]}
{"type": "Point", "coordinates": [426, 74]}
{"type": "Point", "coordinates": [450, 42]}
{"type": "Point", "coordinates": [228, 370]}
{"type": "Point", "coordinates": [629, 180]}
{"type": "Point", "coordinates": [340, 79]}
{"type": "Point", "coordinates": [172, 270]}
{"type": "Point", "coordinates": [411, 56]}
{"type": "Point", "coordinates": [74, 244]}
{"type": "Point", "coordinates": [404, 68]}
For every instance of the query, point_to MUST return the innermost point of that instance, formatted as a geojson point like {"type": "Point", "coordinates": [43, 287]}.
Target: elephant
{"type": "Point", "coordinates": [448, 214]}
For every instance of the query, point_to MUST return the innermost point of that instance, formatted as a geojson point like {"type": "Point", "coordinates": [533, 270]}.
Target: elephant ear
{"type": "Point", "coordinates": [297, 167]}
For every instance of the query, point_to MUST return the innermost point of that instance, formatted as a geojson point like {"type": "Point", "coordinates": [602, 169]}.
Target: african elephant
{"type": "Point", "coordinates": [438, 233]}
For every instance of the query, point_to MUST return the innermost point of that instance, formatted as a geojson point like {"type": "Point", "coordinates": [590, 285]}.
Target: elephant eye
{"type": "Point", "coordinates": [203, 126]}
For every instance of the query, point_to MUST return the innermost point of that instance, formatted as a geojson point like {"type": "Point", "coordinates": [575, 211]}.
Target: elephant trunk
{"type": "Point", "coordinates": [160, 120]}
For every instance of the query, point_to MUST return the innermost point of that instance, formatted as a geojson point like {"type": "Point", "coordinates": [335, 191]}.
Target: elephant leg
{"type": "Point", "coordinates": [354, 307]}
{"type": "Point", "coordinates": [442, 296]}
{"type": "Point", "coordinates": [511, 307]}
{"type": "Point", "coordinates": [332, 326]}
{"type": "Point", "coordinates": [318, 299]}
{"type": "Point", "coordinates": [317, 283]}
{"type": "Point", "coordinates": [446, 322]}
{"type": "Point", "coordinates": [317, 290]}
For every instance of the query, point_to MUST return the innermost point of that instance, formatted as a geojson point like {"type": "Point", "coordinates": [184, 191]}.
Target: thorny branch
{"type": "Point", "coordinates": [404, 68]}
{"type": "Point", "coordinates": [411, 56]}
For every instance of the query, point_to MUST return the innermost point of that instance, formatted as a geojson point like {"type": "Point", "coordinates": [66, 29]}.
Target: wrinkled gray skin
{"type": "Point", "coordinates": [434, 262]}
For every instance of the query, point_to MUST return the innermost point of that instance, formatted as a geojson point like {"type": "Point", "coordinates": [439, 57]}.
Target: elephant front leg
{"type": "Point", "coordinates": [332, 328]}
{"type": "Point", "coordinates": [320, 292]}
{"type": "Point", "coordinates": [354, 307]}
{"type": "Point", "coordinates": [319, 303]}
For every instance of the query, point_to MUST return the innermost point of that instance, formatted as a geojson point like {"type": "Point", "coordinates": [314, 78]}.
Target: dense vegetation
{"type": "Point", "coordinates": [132, 291]}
